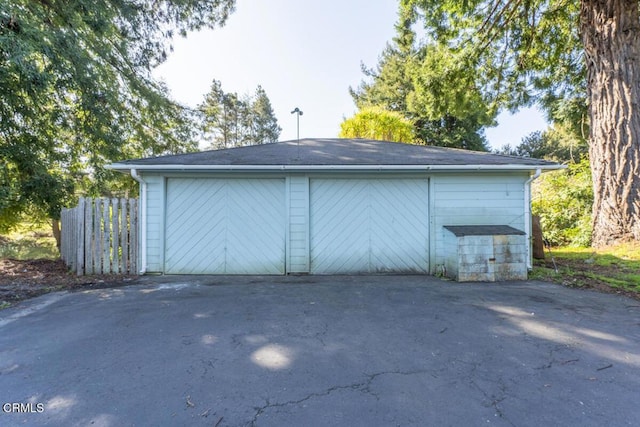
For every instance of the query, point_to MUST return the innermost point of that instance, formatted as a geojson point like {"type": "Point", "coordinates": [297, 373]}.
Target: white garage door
{"type": "Point", "coordinates": [225, 226]}
{"type": "Point", "coordinates": [369, 225]}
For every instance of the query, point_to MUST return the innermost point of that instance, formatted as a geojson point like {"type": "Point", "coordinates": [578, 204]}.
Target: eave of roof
{"type": "Point", "coordinates": [317, 168]}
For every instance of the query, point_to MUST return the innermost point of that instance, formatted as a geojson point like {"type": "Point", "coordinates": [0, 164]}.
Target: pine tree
{"type": "Point", "coordinates": [265, 124]}
{"type": "Point", "coordinates": [231, 121]}
{"type": "Point", "coordinates": [211, 116]}
{"type": "Point", "coordinates": [429, 87]}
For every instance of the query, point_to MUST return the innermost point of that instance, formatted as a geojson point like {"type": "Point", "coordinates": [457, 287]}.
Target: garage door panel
{"type": "Point", "coordinates": [190, 204]}
{"type": "Point", "coordinates": [338, 249]}
{"type": "Point", "coordinates": [399, 219]}
{"type": "Point", "coordinates": [400, 214]}
{"type": "Point", "coordinates": [343, 201]}
{"type": "Point", "coordinates": [253, 205]}
{"type": "Point", "coordinates": [369, 225]}
{"type": "Point", "coordinates": [198, 195]}
{"type": "Point", "coordinates": [352, 233]}
{"type": "Point", "coordinates": [225, 226]}
{"type": "Point", "coordinates": [251, 236]}
{"type": "Point", "coordinates": [192, 258]}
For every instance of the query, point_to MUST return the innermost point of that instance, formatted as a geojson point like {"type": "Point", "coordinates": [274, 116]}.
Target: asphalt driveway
{"type": "Point", "coordinates": [317, 351]}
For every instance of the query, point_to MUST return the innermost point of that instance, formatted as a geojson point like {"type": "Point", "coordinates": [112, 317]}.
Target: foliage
{"type": "Point", "coordinates": [526, 50]}
{"type": "Point", "coordinates": [264, 124]}
{"type": "Point", "coordinates": [563, 199]}
{"type": "Point", "coordinates": [377, 123]}
{"type": "Point", "coordinates": [627, 254]}
{"type": "Point", "coordinates": [534, 145]}
{"type": "Point", "coordinates": [571, 58]}
{"type": "Point", "coordinates": [556, 144]}
{"type": "Point", "coordinates": [28, 241]}
{"type": "Point", "coordinates": [453, 132]}
{"type": "Point", "coordinates": [231, 121]}
{"type": "Point", "coordinates": [614, 267]}
{"type": "Point", "coordinates": [431, 87]}
{"type": "Point", "coordinates": [77, 93]}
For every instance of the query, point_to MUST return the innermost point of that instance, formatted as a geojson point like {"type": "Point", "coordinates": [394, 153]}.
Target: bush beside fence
{"type": "Point", "coordinates": [99, 236]}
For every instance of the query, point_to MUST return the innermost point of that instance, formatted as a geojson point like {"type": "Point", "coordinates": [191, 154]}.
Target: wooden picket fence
{"type": "Point", "coordinates": [99, 236]}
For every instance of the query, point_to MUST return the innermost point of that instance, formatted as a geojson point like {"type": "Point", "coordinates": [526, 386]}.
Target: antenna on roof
{"type": "Point", "coordinates": [298, 113]}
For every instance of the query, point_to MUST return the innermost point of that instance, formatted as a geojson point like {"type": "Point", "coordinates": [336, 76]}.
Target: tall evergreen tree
{"type": "Point", "coordinates": [231, 115]}
{"type": "Point", "coordinates": [232, 121]}
{"type": "Point", "coordinates": [429, 87]}
{"type": "Point", "coordinates": [212, 117]}
{"type": "Point", "coordinates": [245, 121]}
{"type": "Point", "coordinates": [265, 124]}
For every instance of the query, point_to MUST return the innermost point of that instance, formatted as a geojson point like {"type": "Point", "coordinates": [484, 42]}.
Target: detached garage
{"type": "Point", "coordinates": [322, 206]}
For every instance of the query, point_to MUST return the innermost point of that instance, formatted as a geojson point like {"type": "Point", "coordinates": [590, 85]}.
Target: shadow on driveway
{"type": "Point", "coordinates": [321, 350]}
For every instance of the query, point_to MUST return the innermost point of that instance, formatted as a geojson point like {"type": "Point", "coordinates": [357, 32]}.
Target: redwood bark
{"type": "Point", "coordinates": [610, 31]}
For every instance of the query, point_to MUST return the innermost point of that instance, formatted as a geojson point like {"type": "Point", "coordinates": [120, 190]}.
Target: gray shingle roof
{"type": "Point", "coordinates": [339, 152]}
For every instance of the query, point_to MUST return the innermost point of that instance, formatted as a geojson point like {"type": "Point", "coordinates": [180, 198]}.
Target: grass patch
{"type": "Point", "coordinates": [615, 268]}
{"type": "Point", "coordinates": [29, 242]}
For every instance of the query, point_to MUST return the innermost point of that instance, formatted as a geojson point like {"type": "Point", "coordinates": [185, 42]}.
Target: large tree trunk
{"type": "Point", "coordinates": [55, 227]}
{"type": "Point", "coordinates": [610, 31]}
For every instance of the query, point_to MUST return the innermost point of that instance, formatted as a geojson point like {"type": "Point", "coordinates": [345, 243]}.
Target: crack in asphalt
{"type": "Point", "coordinates": [495, 399]}
{"type": "Point", "coordinates": [492, 397]}
{"type": "Point", "coordinates": [321, 334]}
{"type": "Point", "coordinates": [363, 387]}
{"type": "Point", "coordinates": [206, 364]}
{"type": "Point", "coordinates": [555, 361]}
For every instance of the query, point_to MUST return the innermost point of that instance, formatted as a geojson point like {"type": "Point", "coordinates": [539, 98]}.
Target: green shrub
{"type": "Point", "coordinates": [564, 200]}
{"type": "Point", "coordinates": [28, 241]}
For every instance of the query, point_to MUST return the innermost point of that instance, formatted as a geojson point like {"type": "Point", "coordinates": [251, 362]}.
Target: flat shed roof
{"type": "Point", "coordinates": [484, 230]}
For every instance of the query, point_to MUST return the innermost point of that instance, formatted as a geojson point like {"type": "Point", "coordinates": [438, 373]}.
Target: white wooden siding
{"type": "Point", "coordinates": [368, 225]}
{"type": "Point", "coordinates": [155, 222]}
{"type": "Point", "coordinates": [298, 243]}
{"type": "Point", "coordinates": [225, 226]}
{"type": "Point", "coordinates": [475, 199]}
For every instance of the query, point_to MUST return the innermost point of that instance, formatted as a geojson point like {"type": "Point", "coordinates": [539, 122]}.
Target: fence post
{"type": "Point", "coordinates": [106, 261]}
{"type": "Point", "coordinates": [66, 236]}
{"type": "Point", "coordinates": [88, 236]}
{"type": "Point", "coordinates": [96, 250]}
{"type": "Point", "coordinates": [124, 260]}
{"type": "Point", "coordinates": [115, 237]}
{"type": "Point", "coordinates": [71, 239]}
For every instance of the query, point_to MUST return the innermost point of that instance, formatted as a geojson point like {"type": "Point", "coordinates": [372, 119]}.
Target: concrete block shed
{"type": "Point", "coordinates": [322, 206]}
{"type": "Point", "coordinates": [486, 253]}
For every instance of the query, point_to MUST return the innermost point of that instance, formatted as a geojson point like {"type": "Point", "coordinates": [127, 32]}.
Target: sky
{"type": "Point", "coordinates": [305, 55]}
